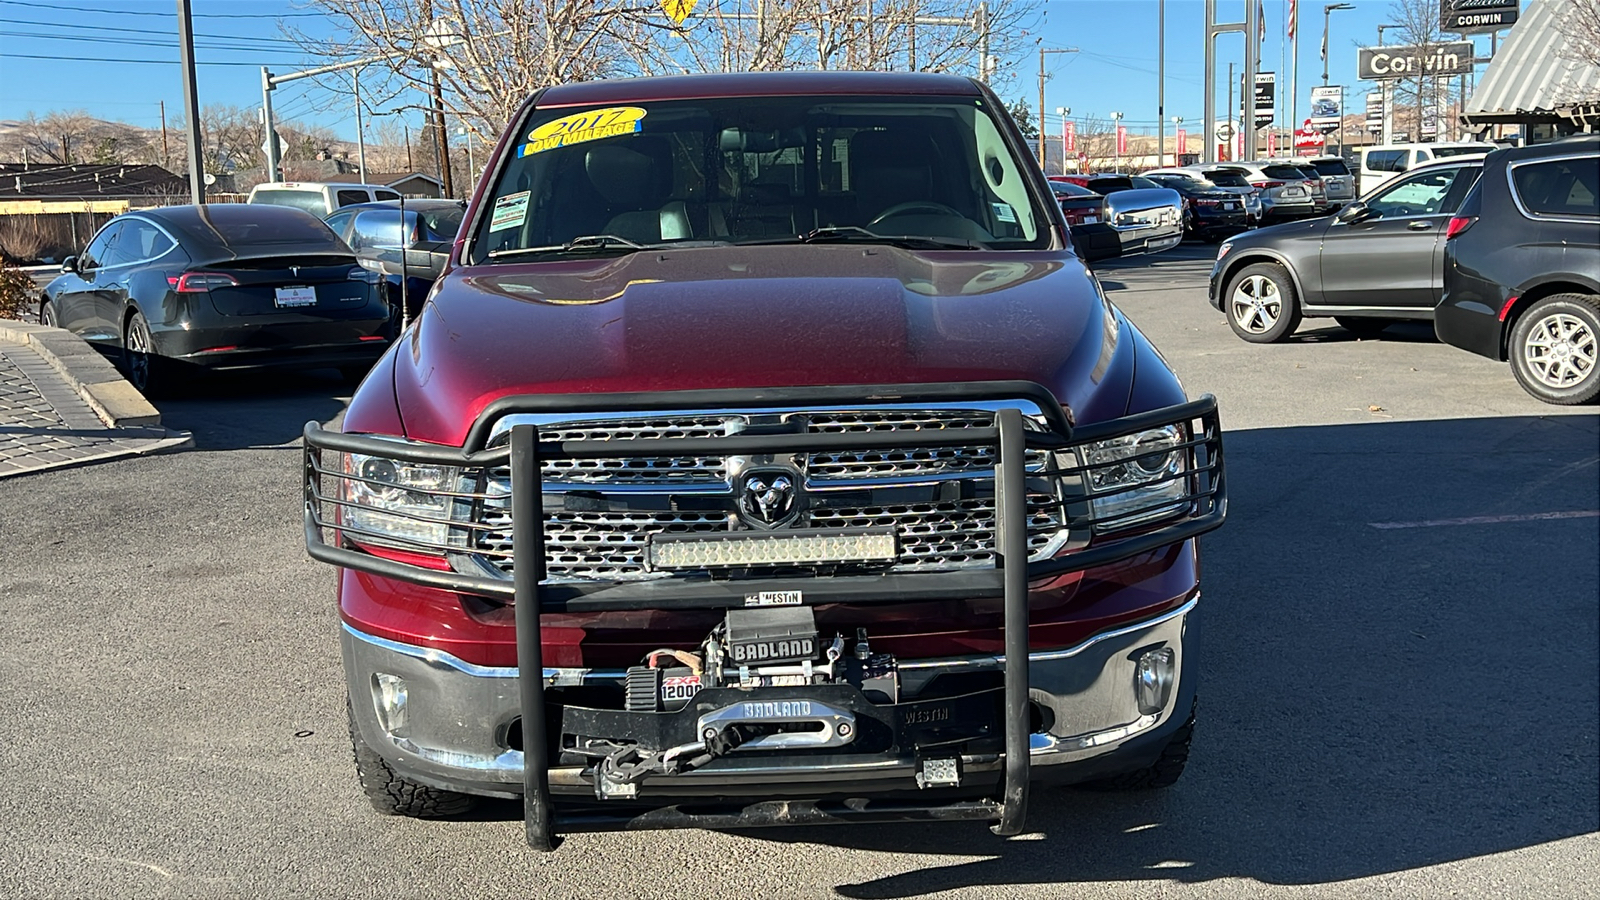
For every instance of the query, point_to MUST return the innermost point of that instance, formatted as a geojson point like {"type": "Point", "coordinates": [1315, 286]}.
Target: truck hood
{"type": "Point", "coordinates": [778, 316]}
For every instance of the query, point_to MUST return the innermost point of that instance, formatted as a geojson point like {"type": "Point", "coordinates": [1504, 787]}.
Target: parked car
{"type": "Point", "coordinates": [681, 496]}
{"type": "Point", "coordinates": [1214, 213]}
{"type": "Point", "coordinates": [1377, 164]}
{"type": "Point", "coordinates": [408, 242]}
{"type": "Point", "coordinates": [1374, 262]}
{"type": "Point", "coordinates": [1522, 268]}
{"type": "Point", "coordinates": [1227, 180]}
{"type": "Point", "coordinates": [1313, 180]}
{"type": "Point", "coordinates": [1337, 178]}
{"type": "Point", "coordinates": [318, 197]}
{"type": "Point", "coordinates": [1285, 193]}
{"type": "Point", "coordinates": [220, 287]}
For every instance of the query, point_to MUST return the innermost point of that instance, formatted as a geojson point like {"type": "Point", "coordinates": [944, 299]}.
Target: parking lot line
{"type": "Point", "coordinates": [1491, 520]}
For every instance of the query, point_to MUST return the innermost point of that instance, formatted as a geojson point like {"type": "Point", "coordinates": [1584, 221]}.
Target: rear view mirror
{"type": "Point", "coordinates": [1355, 212]}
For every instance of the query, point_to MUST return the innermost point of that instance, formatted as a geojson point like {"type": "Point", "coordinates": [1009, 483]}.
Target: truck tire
{"type": "Point", "coordinates": [392, 795]}
{"type": "Point", "coordinates": [1164, 772]}
{"type": "Point", "coordinates": [1261, 304]}
{"type": "Point", "coordinates": [1555, 349]}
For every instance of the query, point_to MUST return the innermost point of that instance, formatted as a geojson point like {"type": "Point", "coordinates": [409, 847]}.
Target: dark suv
{"type": "Point", "coordinates": [1522, 268]}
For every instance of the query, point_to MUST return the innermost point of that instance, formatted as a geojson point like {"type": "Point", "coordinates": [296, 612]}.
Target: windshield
{"type": "Point", "coordinates": [310, 201]}
{"type": "Point", "coordinates": [758, 170]}
{"type": "Point", "coordinates": [1330, 167]}
{"type": "Point", "coordinates": [1283, 172]}
{"type": "Point", "coordinates": [1227, 178]}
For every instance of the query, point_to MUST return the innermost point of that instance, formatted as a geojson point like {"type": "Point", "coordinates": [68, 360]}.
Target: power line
{"type": "Point", "coordinates": [169, 15]}
{"type": "Point", "coordinates": [151, 62]}
{"type": "Point", "coordinates": [155, 31]}
{"type": "Point", "coordinates": [136, 42]}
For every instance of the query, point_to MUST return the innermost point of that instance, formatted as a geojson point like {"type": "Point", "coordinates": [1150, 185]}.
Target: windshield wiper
{"type": "Point", "coordinates": [584, 242]}
{"type": "Point", "coordinates": [857, 234]}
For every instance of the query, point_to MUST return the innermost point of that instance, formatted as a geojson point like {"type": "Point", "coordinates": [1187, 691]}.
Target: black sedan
{"type": "Point", "coordinates": [1212, 213]}
{"type": "Point", "coordinates": [1371, 264]}
{"type": "Point", "coordinates": [229, 286]}
{"type": "Point", "coordinates": [407, 241]}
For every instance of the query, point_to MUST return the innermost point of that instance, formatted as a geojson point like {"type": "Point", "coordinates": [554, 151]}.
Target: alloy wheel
{"type": "Point", "coordinates": [1257, 304]}
{"type": "Point", "coordinates": [137, 352]}
{"type": "Point", "coordinates": [1560, 350]}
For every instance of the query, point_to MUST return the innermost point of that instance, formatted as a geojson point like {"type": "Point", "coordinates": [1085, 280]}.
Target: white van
{"type": "Point", "coordinates": [318, 197]}
{"type": "Point", "coordinates": [1379, 164]}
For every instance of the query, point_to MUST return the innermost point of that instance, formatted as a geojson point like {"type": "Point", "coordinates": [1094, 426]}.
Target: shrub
{"type": "Point", "coordinates": [18, 294]}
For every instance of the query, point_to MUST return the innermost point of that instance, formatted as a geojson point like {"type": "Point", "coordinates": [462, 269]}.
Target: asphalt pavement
{"type": "Point", "coordinates": [1399, 698]}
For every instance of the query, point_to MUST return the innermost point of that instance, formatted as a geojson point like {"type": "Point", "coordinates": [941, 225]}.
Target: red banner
{"type": "Point", "coordinates": [1183, 142]}
{"type": "Point", "coordinates": [1122, 141]}
{"type": "Point", "coordinates": [1069, 137]}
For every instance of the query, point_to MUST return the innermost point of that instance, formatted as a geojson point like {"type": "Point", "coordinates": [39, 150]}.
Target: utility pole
{"type": "Point", "coordinates": [1161, 82]}
{"type": "Point", "coordinates": [1294, 73]}
{"type": "Point", "coordinates": [269, 126]}
{"type": "Point", "coordinates": [441, 137]}
{"type": "Point", "coordinates": [1043, 76]}
{"type": "Point", "coordinates": [166, 158]}
{"type": "Point", "coordinates": [361, 134]}
{"type": "Point", "coordinates": [1327, 11]}
{"type": "Point", "coordinates": [191, 104]}
{"type": "Point", "coordinates": [1233, 114]}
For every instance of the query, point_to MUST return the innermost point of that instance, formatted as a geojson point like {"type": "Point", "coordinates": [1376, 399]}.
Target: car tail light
{"type": "Point", "coordinates": [1208, 202]}
{"type": "Point", "coordinates": [200, 282]}
{"type": "Point", "coordinates": [1270, 184]}
{"type": "Point", "coordinates": [1457, 225]}
{"type": "Point", "coordinates": [359, 273]}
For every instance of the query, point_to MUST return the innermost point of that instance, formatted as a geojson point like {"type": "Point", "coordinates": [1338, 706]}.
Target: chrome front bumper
{"type": "Point", "coordinates": [458, 716]}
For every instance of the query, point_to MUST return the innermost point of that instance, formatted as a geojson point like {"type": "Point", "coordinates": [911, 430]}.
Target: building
{"type": "Point", "coordinates": [1536, 81]}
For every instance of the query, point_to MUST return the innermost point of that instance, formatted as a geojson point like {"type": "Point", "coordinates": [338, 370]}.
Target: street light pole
{"type": "Point", "coordinates": [1161, 81]}
{"type": "Point", "coordinates": [1327, 11]}
{"type": "Point", "coordinates": [1177, 123]}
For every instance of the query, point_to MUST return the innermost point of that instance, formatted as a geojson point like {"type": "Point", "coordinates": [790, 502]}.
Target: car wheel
{"type": "Point", "coordinates": [139, 360]}
{"type": "Point", "coordinates": [1554, 350]}
{"type": "Point", "coordinates": [395, 796]}
{"type": "Point", "coordinates": [47, 314]}
{"type": "Point", "coordinates": [1164, 772]}
{"type": "Point", "coordinates": [1261, 305]}
{"type": "Point", "coordinates": [1363, 326]}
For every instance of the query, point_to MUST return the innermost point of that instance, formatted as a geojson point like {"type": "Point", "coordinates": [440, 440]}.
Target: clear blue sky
{"type": "Point", "coordinates": [1114, 70]}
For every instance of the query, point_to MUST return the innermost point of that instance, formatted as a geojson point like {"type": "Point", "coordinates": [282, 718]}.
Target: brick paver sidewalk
{"type": "Point", "coordinates": [45, 424]}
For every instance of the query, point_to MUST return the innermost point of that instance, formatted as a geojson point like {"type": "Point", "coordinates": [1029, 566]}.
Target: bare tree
{"type": "Point", "coordinates": [59, 137]}
{"type": "Point", "coordinates": [1418, 22]}
{"type": "Point", "coordinates": [489, 55]}
{"type": "Point", "coordinates": [1581, 24]}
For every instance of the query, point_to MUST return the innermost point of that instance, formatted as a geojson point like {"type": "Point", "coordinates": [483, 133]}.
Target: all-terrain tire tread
{"type": "Point", "coordinates": [393, 795]}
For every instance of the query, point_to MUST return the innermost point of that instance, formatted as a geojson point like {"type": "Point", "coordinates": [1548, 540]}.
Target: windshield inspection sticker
{"type": "Point", "coordinates": [585, 126]}
{"type": "Point", "coordinates": [1003, 212]}
{"type": "Point", "coordinates": [510, 211]}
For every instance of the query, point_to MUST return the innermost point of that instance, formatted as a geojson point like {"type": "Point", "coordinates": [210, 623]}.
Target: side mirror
{"type": "Point", "coordinates": [69, 266]}
{"type": "Point", "coordinates": [1355, 212]}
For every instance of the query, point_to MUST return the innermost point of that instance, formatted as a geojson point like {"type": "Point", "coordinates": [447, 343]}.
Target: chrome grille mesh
{"type": "Point", "coordinates": [613, 544]}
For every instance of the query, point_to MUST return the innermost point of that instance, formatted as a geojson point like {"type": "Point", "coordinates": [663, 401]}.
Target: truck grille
{"type": "Point", "coordinates": [846, 489]}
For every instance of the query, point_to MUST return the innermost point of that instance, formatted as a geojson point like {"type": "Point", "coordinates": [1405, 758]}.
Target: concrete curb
{"type": "Point", "coordinates": [96, 380]}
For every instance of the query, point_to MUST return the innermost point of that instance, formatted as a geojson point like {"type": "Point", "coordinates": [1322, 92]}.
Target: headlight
{"type": "Point", "coordinates": [1223, 250]}
{"type": "Point", "coordinates": [1136, 477]}
{"type": "Point", "coordinates": [395, 498]}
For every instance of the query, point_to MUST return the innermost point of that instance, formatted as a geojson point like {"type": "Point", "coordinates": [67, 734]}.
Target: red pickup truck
{"type": "Point", "coordinates": [765, 456]}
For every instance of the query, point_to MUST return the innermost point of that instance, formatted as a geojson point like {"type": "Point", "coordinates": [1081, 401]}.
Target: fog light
{"type": "Point", "coordinates": [389, 696]}
{"type": "Point", "coordinates": [1152, 682]}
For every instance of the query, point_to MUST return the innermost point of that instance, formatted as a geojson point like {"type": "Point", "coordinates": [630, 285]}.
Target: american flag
{"type": "Point", "coordinates": [1261, 22]}
{"type": "Point", "coordinates": [1294, 16]}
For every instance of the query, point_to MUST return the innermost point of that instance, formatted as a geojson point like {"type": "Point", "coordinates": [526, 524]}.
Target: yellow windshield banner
{"type": "Point", "coordinates": [585, 126]}
{"type": "Point", "coordinates": [677, 10]}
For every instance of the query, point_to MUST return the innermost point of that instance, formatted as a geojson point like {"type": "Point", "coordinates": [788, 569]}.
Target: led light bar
{"type": "Point", "coordinates": [741, 549]}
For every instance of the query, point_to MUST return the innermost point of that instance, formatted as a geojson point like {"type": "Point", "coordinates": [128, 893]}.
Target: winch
{"type": "Point", "coordinates": [756, 648]}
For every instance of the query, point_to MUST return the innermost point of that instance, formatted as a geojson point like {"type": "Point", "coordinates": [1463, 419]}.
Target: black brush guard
{"type": "Point", "coordinates": [1204, 500]}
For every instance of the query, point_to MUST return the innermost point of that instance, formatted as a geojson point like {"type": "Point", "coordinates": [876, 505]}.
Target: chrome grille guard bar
{"type": "Point", "coordinates": [1203, 504]}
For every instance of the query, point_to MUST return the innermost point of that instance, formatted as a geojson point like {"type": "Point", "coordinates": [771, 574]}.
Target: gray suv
{"type": "Point", "coordinates": [1373, 263]}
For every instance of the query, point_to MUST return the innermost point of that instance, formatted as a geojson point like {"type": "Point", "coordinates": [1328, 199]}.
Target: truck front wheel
{"type": "Point", "coordinates": [393, 795]}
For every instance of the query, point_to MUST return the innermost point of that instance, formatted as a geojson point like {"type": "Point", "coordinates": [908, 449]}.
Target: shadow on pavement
{"type": "Point", "coordinates": [1326, 331]}
{"type": "Point", "coordinates": [237, 411]}
{"type": "Point", "coordinates": [1373, 700]}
